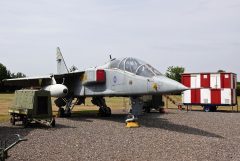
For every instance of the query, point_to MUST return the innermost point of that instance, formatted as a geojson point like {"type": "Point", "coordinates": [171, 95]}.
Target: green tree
{"type": "Point", "coordinates": [221, 71]}
{"type": "Point", "coordinates": [238, 89]}
{"type": "Point", "coordinates": [174, 72]}
{"type": "Point", "coordinates": [18, 75]}
{"type": "Point", "coordinates": [4, 73]}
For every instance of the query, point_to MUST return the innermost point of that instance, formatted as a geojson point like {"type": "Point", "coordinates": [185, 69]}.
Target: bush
{"type": "Point", "coordinates": [238, 89]}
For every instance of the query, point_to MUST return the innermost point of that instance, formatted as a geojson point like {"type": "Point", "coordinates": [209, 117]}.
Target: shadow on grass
{"type": "Point", "coordinates": [8, 131]}
{"type": "Point", "coordinates": [47, 127]}
{"type": "Point", "coordinates": [8, 137]}
{"type": "Point", "coordinates": [162, 123]}
{"type": "Point", "coordinates": [151, 120]}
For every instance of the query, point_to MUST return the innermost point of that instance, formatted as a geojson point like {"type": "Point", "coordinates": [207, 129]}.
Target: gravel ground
{"type": "Point", "coordinates": [177, 135]}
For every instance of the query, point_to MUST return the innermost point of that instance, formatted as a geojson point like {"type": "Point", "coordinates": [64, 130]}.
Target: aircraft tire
{"type": "Point", "coordinates": [147, 109]}
{"type": "Point", "coordinates": [104, 113]}
{"type": "Point", "coordinates": [53, 123]}
{"type": "Point", "coordinates": [25, 122]}
{"type": "Point", "coordinates": [207, 108]}
{"type": "Point", "coordinates": [67, 113]}
{"type": "Point", "coordinates": [101, 112]}
{"type": "Point", "coordinates": [213, 108]}
{"type": "Point", "coordinates": [12, 120]}
{"type": "Point", "coordinates": [109, 111]}
{"type": "Point", "coordinates": [61, 112]}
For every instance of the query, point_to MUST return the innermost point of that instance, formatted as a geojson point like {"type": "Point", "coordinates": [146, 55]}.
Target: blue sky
{"type": "Point", "coordinates": [200, 35]}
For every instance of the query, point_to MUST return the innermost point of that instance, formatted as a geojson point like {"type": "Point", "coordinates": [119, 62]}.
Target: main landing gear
{"type": "Point", "coordinates": [66, 105]}
{"type": "Point", "coordinates": [104, 110]}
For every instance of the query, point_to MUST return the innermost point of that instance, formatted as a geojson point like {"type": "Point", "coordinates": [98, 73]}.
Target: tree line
{"type": "Point", "coordinates": [6, 74]}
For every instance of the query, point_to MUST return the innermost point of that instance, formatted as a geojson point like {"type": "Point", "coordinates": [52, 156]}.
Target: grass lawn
{"type": "Point", "coordinates": [114, 102]}
{"type": "Point", "coordinates": [5, 102]}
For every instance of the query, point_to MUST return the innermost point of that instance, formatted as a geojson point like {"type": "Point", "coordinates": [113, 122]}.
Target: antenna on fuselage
{"type": "Point", "coordinates": [110, 56]}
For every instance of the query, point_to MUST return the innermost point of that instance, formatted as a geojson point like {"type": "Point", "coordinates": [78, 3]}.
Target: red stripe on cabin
{"type": "Point", "coordinates": [215, 96]}
{"type": "Point", "coordinates": [186, 80]}
{"type": "Point", "coordinates": [205, 80]}
{"type": "Point", "coordinates": [225, 80]}
{"type": "Point", "coordinates": [195, 96]}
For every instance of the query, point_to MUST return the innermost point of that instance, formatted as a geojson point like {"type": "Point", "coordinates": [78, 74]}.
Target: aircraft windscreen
{"type": "Point", "coordinates": [144, 71]}
{"type": "Point", "coordinates": [154, 70]}
{"type": "Point", "coordinates": [135, 66]}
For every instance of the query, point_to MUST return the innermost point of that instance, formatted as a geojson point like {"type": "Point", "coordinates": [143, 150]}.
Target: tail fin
{"type": "Point", "coordinates": [61, 65]}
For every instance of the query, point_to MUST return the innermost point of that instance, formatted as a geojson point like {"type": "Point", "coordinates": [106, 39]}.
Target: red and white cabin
{"type": "Point", "coordinates": [217, 89]}
{"type": "Point", "coordinates": [210, 80]}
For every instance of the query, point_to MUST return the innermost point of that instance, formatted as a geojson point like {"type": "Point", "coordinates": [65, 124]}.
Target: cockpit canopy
{"type": "Point", "coordinates": [134, 66]}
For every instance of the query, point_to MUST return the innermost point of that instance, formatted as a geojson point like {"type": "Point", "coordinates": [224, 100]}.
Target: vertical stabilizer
{"type": "Point", "coordinates": [61, 65]}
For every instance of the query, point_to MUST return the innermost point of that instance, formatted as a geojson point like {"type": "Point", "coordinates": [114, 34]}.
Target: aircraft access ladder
{"type": "Point", "coordinates": [173, 101]}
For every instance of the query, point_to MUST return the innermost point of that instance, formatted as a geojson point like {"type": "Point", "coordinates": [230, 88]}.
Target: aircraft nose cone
{"type": "Point", "coordinates": [181, 87]}
{"type": "Point", "coordinates": [168, 85]}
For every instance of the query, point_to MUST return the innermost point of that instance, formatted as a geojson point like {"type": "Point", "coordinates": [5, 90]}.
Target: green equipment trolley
{"type": "Point", "coordinates": [32, 106]}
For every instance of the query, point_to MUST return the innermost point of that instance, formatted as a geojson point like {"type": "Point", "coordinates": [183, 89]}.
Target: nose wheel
{"type": "Point", "coordinates": [66, 105]}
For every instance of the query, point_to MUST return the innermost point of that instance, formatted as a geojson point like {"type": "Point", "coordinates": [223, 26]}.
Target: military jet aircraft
{"type": "Point", "coordinates": [124, 77]}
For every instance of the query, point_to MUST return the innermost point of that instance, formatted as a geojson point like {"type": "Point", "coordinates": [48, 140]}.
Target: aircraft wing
{"type": "Point", "coordinates": [43, 80]}
{"type": "Point", "coordinates": [68, 77]}
{"type": "Point", "coordinates": [29, 81]}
